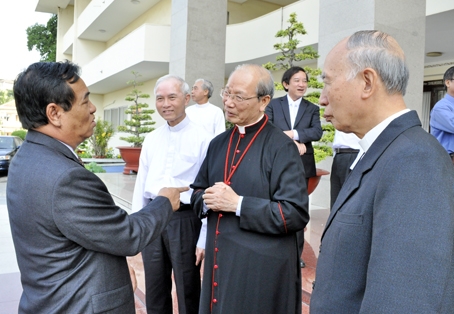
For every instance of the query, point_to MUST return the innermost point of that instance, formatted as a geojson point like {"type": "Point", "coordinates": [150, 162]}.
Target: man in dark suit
{"type": "Point", "coordinates": [300, 120]}
{"type": "Point", "coordinates": [70, 238]}
{"type": "Point", "coordinates": [394, 216]}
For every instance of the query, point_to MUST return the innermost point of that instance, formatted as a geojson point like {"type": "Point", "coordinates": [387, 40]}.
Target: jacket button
{"type": "Point", "coordinates": [214, 300]}
{"type": "Point", "coordinates": [215, 266]}
{"type": "Point", "coordinates": [215, 284]}
{"type": "Point", "coordinates": [216, 250]}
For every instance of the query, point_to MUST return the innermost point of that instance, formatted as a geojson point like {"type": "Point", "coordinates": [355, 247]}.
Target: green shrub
{"type": "Point", "coordinates": [95, 168]}
{"type": "Point", "coordinates": [19, 133]}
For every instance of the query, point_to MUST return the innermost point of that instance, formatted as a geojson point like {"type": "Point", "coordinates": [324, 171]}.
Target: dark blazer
{"type": "Point", "coordinates": [70, 238]}
{"type": "Point", "coordinates": [388, 244]}
{"type": "Point", "coordinates": [307, 124]}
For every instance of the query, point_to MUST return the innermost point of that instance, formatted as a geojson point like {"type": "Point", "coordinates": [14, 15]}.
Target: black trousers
{"type": "Point", "coordinates": [339, 172]}
{"type": "Point", "coordinates": [173, 250]}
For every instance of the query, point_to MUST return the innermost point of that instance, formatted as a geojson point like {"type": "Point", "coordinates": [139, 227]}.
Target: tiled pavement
{"type": "Point", "coordinates": [121, 187]}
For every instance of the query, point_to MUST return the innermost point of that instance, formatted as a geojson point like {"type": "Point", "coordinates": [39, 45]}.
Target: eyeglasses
{"type": "Point", "coordinates": [236, 98]}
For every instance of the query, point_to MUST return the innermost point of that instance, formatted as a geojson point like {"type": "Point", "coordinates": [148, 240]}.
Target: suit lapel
{"type": "Point", "coordinates": [286, 111]}
{"type": "Point", "coordinates": [353, 181]}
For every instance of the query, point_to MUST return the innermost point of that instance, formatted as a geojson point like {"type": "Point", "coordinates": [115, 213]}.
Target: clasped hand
{"type": "Point", "coordinates": [221, 197]}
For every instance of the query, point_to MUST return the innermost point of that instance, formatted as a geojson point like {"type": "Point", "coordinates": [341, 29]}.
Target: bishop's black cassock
{"type": "Point", "coordinates": [252, 263]}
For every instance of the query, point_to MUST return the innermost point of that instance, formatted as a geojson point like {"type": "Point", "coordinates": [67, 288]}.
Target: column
{"type": "Point", "coordinates": [197, 42]}
{"type": "Point", "coordinates": [404, 20]}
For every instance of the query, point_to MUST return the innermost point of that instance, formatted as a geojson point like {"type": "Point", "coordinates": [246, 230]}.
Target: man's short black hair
{"type": "Point", "coordinates": [449, 75]}
{"type": "Point", "coordinates": [40, 84]}
{"type": "Point", "coordinates": [289, 73]}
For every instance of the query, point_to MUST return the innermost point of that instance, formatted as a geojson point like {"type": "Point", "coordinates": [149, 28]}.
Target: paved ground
{"type": "Point", "coordinates": [121, 187]}
{"type": "Point", "coordinates": [10, 287]}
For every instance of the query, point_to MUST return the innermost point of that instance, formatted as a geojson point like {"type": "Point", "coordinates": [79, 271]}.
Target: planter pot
{"type": "Point", "coordinates": [131, 157]}
{"type": "Point", "coordinates": [314, 181]}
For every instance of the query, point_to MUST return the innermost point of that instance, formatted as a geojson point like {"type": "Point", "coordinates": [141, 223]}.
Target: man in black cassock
{"type": "Point", "coordinates": [252, 188]}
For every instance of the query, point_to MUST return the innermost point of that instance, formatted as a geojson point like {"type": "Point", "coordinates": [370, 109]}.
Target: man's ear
{"type": "Point", "coordinates": [264, 101]}
{"type": "Point", "coordinates": [286, 85]}
{"type": "Point", "coordinates": [370, 80]}
{"type": "Point", "coordinates": [187, 98]}
{"type": "Point", "coordinates": [54, 114]}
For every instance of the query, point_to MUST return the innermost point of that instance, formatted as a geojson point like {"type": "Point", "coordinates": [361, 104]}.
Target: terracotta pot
{"type": "Point", "coordinates": [131, 157]}
{"type": "Point", "coordinates": [314, 181]}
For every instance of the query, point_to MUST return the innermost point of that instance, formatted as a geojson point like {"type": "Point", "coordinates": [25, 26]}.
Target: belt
{"type": "Point", "coordinates": [184, 207]}
{"type": "Point", "coordinates": [345, 150]}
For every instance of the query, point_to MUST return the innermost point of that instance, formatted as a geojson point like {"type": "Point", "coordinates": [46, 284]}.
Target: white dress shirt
{"type": "Point", "coordinates": [209, 116]}
{"type": "Point", "coordinates": [170, 157]}
{"type": "Point", "coordinates": [293, 108]}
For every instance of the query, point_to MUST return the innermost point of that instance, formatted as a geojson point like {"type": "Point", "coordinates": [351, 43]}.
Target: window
{"type": "Point", "coordinates": [116, 116]}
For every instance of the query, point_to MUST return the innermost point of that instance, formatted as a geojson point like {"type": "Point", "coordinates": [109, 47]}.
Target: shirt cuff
{"type": "Point", "coordinates": [295, 135]}
{"type": "Point", "coordinates": [205, 208]}
{"type": "Point", "coordinates": [203, 235]}
{"type": "Point", "coordinates": [238, 207]}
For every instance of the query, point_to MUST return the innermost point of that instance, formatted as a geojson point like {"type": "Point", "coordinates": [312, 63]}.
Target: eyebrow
{"type": "Point", "coordinates": [170, 95]}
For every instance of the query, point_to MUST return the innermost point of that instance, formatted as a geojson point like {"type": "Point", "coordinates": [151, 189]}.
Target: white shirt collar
{"type": "Point", "coordinates": [366, 142]}
{"type": "Point", "coordinates": [70, 148]}
{"type": "Point", "coordinates": [180, 125]}
{"type": "Point", "coordinates": [202, 105]}
{"type": "Point", "coordinates": [292, 102]}
{"type": "Point", "coordinates": [242, 128]}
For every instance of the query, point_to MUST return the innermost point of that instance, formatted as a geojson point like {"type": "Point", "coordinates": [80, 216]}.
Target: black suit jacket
{"type": "Point", "coordinates": [307, 124]}
{"type": "Point", "coordinates": [70, 238]}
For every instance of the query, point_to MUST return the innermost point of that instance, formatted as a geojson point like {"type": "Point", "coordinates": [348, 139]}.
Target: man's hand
{"type": "Point", "coordinates": [221, 197]}
{"type": "Point", "coordinates": [301, 147]}
{"type": "Point", "coordinates": [132, 274]}
{"type": "Point", "coordinates": [289, 133]}
{"type": "Point", "coordinates": [173, 194]}
{"type": "Point", "coordinates": [199, 255]}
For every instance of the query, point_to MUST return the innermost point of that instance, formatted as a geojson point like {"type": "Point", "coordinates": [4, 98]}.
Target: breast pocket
{"type": "Point", "coordinates": [350, 219]}
{"type": "Point", "coordinates": [187, 165]}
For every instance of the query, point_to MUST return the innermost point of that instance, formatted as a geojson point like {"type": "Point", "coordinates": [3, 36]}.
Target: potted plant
{"type": "Point", "coordinates": [138, 124]}
{"type": "Point", "coordinates": [102, 133]}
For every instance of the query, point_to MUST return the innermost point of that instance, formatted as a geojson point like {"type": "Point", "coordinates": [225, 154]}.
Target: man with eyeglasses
{"type": "Point", "coordinates": [442, 116]}
{"type": "Point", "coordinates": [299, 119]}
{"type": "Point", "coordinates": [253, 193]}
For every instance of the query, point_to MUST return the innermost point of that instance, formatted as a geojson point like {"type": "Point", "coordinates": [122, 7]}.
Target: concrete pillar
{"type": "Point", "coordinates": [197, 42]}
{"type": "Point", "coordinates": [404, 20]}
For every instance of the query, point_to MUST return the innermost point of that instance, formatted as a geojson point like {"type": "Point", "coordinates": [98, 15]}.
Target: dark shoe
{"type": "Point", "coordinates": [302, 263]}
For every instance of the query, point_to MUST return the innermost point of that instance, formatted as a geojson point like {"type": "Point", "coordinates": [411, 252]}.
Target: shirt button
{"type": "Point", "coordinates": [237, 151]}
{"type": "Point", "coordinates": [220, 215]}
{"type": "Point", "coordinates": [242, 135]}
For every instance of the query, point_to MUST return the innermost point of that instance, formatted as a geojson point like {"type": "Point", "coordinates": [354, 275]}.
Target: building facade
{"type": "Point", "coordinates": [206, 38]}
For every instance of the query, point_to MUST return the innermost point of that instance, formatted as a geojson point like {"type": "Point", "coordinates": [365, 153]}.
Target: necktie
{"type": "Point", "coordinates": [80, 160]}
